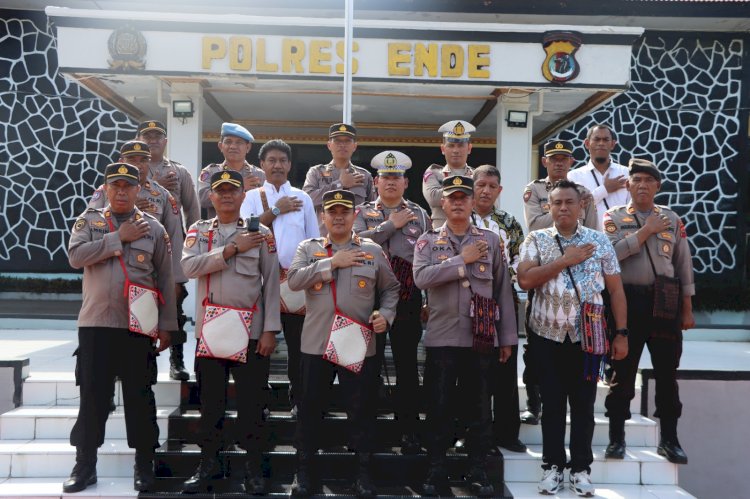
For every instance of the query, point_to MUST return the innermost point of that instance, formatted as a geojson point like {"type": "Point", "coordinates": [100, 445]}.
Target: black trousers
{"type": "Point", "coordinates": [292, 324]}
{"type": "Point", "coordinates": [405, 335]}
{"type": "Point", "coordinates": [560, 368]}
{"type": "Point", "coordinates": [179, 337]}
{"type": "Point", "coordinates": [446, 368]}
{"type": "Point", "coordinates": [665, 347]}
{"type": "Point", "coordinates": [505, 408]}
{"type": "Point", "coordinates": [250, 380]}
{"type": "Point", "coordinates": [358, 390]}
{"type": "Point", "coordinates": [102, 354]}
{"type": "Point", "coordinates": [530, 374]}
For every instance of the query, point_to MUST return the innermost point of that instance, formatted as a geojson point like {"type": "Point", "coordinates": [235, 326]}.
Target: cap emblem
{"type": "Point", "coordinates": [458, 181]}
{"type": "Point", "coordinates": [458, 129]}
{"type": "Point", "coordinates": [225, 176]}
{"type": "Point", "coordinates": [136, 147]}
{"type": "Point", "coordinates": [559, 146]}
{"type": "Point", "coordinates": [342, 128]}
{"type": "Point", "coordinates": [338, 196]}
{"type": "Point", "coordinates": [390, 160]}
{"type": "Point", "coordinates": [122, 169]}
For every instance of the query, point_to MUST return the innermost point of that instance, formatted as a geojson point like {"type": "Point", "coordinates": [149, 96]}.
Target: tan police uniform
{"type": "Point", "coordinates": [204, 186]}
{"type": "Point", "coordinates": [163, 207]}
{"type": "Point", "coordinates": [184, 193]}
{"type": "Point", "coordinates": [432, 188]}
{"type": "Point", "coordinates": [323, 178]}
{"type": "Point", "coordinates": [536, 206]}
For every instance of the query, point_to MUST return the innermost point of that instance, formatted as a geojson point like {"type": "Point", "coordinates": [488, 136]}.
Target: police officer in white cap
{"type": "Point", "coordinates": [395, 224]}
{"type": "Point", "coordinates": [235, 143]}
{"type": "Point", "coordinates": [456, 148]}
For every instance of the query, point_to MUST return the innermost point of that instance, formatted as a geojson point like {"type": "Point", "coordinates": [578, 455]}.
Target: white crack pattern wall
{"type": "Point", "coordinates": [682, 111]}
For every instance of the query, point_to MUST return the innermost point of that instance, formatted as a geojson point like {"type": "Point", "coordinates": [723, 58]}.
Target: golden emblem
{"type": "Point", "coordinates": [482, 268]}
{"type": "Point", "coordinates": [390, 160]}
{"type": "Point", "coordinates": [122, 169]}
{"type": "Point", "coordinates": [362, 283]}
{"type": "Point", "coordinates": [225, 176]}
{"type": "Point", "coordinates": [342, 128]}
{"type": "Point", "coordinates": [458, 181]}
{"type": "Point", "coordinates": [127, 49]}
{"type": "Point", "coordinates": [560, 65]}
{"type": "Point", "coordinates": [140, 258]}
{"type": "Point", "coordinates": [665, 248]}
{"type": "Point", "coordinates": [318, 286]}
{"type": "Point", "coordinates": [459, 129]}
{"type": "Point", "coordinates": [559, 145]}
{"type": "Point", "coordinates": [151, 124]}
{"type": "Point", "coordinates": [338, 196]}
{"type": "Point", "coordinates": [136, 147]}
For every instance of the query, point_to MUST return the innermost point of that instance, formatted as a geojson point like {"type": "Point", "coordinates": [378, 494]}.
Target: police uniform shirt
{"type": "Point", "coordinates": [204, 185]}
{"type": "Point", "coordinates": [148, 261]}
{"type": "Point", "coordinates": [432, 188]}
{"type": "Point", "coordinates": [536, 206]}
{"type": "Point", "coordinates": [372, 222]}
{"type": "Point", "coordinates": [589, 177]}
{"type": "Point", "coordinates": [246, 279]}
{"type": "Point", "coordinates": [184, 193]}
{"type": "Point", "coordinates": [358, 289]}
{"type": "Point", "coordinates": [439, 268]}
{"type": "Point", "coordinates": [669, 249]}
{"type": "Point", "coordinates": [289, 228]}
{"type": "Point", "coordinates": [163, 207]}
{"type": "Point", "coordinates": [323, 178]}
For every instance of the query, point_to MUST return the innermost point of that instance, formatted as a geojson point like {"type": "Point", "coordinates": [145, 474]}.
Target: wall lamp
{"type": "Point", "coordinates": [182, 109]}
{"type": "Point", "coordinates": [518, 119]}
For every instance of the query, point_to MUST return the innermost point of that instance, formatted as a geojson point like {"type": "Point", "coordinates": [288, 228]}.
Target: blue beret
{"type": "Point", "coordinates": [236, 130]}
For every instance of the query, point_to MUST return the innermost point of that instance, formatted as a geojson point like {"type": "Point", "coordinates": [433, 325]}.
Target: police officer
{"type": "Point", "coordinates": [114, 246]}
{"type": "Point", "coordinates": [235, 143]}
{"type": "Point", "coordinates": [462, 267]}
{"type": "Point", "coordinates": [456, 148]}
{"type": "Point", "coordinates": [558, 158]}
{"type": "Point", "coordinates": [346, 272]}
{"type": "Point", "coordinates": [395, 224]}
{"type": "Point", "coordinates": [340, 172]}
{"type": "Point", "coordinates": [244, 273]}
{"type": "Point", "coordinates": [649, 240]}
{"type": "Point", "coordinates": [177, 180]}
{"type": "Point", "coordinates": [158, 202]}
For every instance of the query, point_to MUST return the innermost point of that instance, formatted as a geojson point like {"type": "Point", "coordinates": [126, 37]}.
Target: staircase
{"type": "Point", "coordinates": [36, 457]}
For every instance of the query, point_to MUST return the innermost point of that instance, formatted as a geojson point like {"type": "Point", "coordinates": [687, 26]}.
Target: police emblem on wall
{"type": "Point", "coordinates": [127, 47]}
{"type": "Point", "coordinates": [560, 65]}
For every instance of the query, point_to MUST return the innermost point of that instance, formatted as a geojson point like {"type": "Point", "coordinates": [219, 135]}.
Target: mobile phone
{"type": "Point", "coordinates": [252, 223]}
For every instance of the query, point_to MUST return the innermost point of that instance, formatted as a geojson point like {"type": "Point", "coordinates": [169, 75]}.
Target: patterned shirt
{"type": "Point", "coordinates": [554, 312]}
{"type": "Point", "coordinates": [507, 227]}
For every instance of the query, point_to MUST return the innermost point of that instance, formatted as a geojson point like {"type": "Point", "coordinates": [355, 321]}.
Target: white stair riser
{"type": "Point", "coordinates": [52, 465]}
{"type": "Point", "coordinates": [27, 428]}
{"type": "Point", "coordinates": [636, 434]}
{"type": "Point", "coordinates": [66, 393]}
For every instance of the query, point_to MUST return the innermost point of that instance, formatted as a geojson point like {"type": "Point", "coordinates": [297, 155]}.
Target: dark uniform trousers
{"type": "Point", "coordinates": [560, 368]}
{"type": "Point", "coordinates": [530, 376]}
{"type": "Point", "coordinates": [446, 368]}
{"type": "Point", "coordinates": [102, 354]}
{"type": "Point", "coordinates": [292, 324]}
{"type": "Point", "coordinates": [179, 337]}
{"type": "Point", "coordinates": [505, 408]}
{"type": "Point", "coordinates": [665, 346]}
{"type": "Point", "coordinates": [250, 380]}
{"type": "Point", "coordinates": [404, 336]}
{"type": "Point", "coordinates": [359, 391]}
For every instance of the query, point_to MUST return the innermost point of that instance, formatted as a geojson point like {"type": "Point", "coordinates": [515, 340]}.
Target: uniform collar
{"type": "Point", "coordinates": [245, 166]}
{"type": "Point", "coordinates": [330, 166]}
{"type": "Point", "coordinates": [285, 187]}
{"type": "Point", "coordinates": [215, 222]}
{"type": "Point", "coordinates": [379, 204]}
{"type": "Point", "coordinates": [354, 240]}
{"type": "Point", "coordinates": [631, 208]}
{"type": "Point", "coordinates": [448, 169]}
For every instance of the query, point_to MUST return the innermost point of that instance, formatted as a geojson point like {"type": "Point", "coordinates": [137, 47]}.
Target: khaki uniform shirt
{"type": "Point", "coordinates": [204, 182]}
{"type": "Point", "coordinates": [536, 206]}
{"type": "Point", "coordinates": [372, 222]}
{"type": "Point", "coordinates": [184, 193]}
{"type": "Point", "coordinates": [163, 207]}
{"type": "Point", "coordinates": [440, 269]}
{"type": "Point", "coordinates": [148, 261]}
{"type": "Point", "coordinates": [669, 249]}
{"type": "Point", "coordinates": [246, 279]}
{"type": "Point", "coordinates": [323, 178]}
{"type": "Point", "coordinates": [432, 188]}
{"type": "Point", "coordinates": [359, 290]}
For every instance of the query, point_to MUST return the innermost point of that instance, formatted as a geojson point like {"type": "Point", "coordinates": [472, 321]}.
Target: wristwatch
{"type": "Point", "coordinates": [276, 211]}
{"type": "Point", "coordinates": [622, 332]}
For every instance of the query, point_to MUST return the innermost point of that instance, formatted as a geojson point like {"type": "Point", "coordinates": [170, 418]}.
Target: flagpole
{"type": "Point", "coordinates": [348, 22]}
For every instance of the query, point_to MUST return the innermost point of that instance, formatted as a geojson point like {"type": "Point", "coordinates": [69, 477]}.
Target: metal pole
{"type": "Point", "coordinates": [348, 22]}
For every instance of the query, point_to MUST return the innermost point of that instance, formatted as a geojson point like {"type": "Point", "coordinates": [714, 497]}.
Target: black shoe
{"type": "Point", "coordinates": [460, 446]}
{"type": "Point", "coordinates": [303, 485]}
{"type": "Point", "coordinates": [672, 451]}
{"type": "Point", "coordinates": [410, 444]}
{"type": "Point", "coordinates": [255, 482]}
{"type": "Point", "coordinates": [143, 471]}
{"type": "Point", "coordinates": [436, 481]}
{"type": "Point", "coordinates": [364, 487]}
{"type": "Point", "coordinates": [177, 369]}
{"type": "Point", "coordinates": [207, 470]}
{"type": "Point", "coordinates": [84, 472]}
{"type": "Point", "coordinates": [112, 405]}
{"type": "Point", "coordinates": [528, 417]}
{"type": "Point", "coordinates": [479, 482]}
{"type": "Point", "coordinates": [512, 445]}
{"type": "Point", "coordinates": [615, 450]}
{"type": "Point", "coordinates": [494, 451]}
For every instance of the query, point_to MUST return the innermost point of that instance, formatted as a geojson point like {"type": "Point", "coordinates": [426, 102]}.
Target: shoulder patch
{"type": "Point", "coordinates": [683, 232]}
{"type": "Point", "coordinates": [427, 174]}
{"type": "Point", "coordinates": [172, 201]}
{"type": "Point", "coordinates": [421, 244]}
{"type": "Point", "coordinates": [526, 195]}
{"type": "Point", "coordinates": [205, 175]}
{"type": "Point", "coordinates": [80, 224]}
{"type": "Point", "coordinates": [271, 242]}
{"type": "Point", "coordinates": [610, 227]}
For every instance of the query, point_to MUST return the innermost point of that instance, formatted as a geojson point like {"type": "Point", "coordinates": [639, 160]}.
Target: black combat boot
{"type": "Point", "coordinates": [533, 405]}
{"type": "Point", "coordinates": [303, 479]}
{"type": "Point", "coordinates": [364, 487]}
{"type": "Point", "coordinates": [207, 470]}
{"type": "Point", "coordinates": [616, 447]}
{"type": "Point", "coordinates": [669, 446]}
{"type": "Point", "coordinates": [255, 482]}
{"type": "Point", "coordinates": [143, 470]}
{"type": "Point", "coordinates": [477, 477]}
{"type": "Point", "coordinates": [177, 369]}
{"type": "Point", "coordinates": [436, 481]}
{"type": "Point", "coordinates": [84, 471]}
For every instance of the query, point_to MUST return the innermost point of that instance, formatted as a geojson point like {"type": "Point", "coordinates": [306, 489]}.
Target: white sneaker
{"type": "Point", "coordinates": [551, 482]}
{"type": "Point", "coordinates": [580, 483]}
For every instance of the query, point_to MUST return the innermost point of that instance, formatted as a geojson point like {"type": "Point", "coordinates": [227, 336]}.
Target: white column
{"type": "Point", "coordinates": [185, 145]}
{"type": "Point", "coordinates": [514, 157]}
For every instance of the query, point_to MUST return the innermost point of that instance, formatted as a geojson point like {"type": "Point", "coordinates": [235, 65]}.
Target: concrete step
{"type": "Point", "coordinates": [639, 431]}
{"type": "Point", "coordinates": [55, 422]}
{"type": "Point", "coordinates": [642, 465]}
{"type": "Point", "coordinates": [527, 490]}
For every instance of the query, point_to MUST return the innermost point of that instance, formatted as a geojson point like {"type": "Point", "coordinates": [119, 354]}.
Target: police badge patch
{"type": "Point", "coordinates": [127, 47]}
{"type": "Point", "coordinates": [560, 65]}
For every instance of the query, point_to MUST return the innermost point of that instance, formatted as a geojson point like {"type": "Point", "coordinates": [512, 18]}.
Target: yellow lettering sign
{"type": "Point", "coordinates": [479, 61]}
{"type": "Point", "coordinates": [292, 54]}
{"type": "Point", "coordinates": [451, 60]}
{"type": "Point", "coordinates": [319, 54]}
{"type": "Point", "coordinates": [341, 52]}
{"type": "Point", "coordinates": [399, 56]}
{"type": "Point", "coordinates": [214, 48]}
{"type": "Point", "coordinates": [426, 57]}
{"type": "Point", "coordinates": [240, 53]}
{"type": "Point", "coordinates": [260, 63]}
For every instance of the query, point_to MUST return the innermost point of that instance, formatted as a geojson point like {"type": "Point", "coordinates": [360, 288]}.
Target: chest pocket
{"type": "Point", "coordinates": [665, 244]}
{"type": "Point", "coordinates": [141, 254]}
{"type": "Point", "coordinates": [362, 281]}
{"type": "Point", "coordinates": [441, 255]}
{"type": "Point", "coordinates": [248, 263]}
{"type": "Point", "coordinates": [413, 229]}
{"type": "Point", "coordinates": [482, 269]}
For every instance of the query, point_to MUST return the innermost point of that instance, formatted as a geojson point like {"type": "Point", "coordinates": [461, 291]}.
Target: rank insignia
{"type": "Point", "coordinates": [140, 258]}
{"type": "Point", "coordinates": [665, 248]}
{"type": "Point", "coordinates": [628, 219]}
{"type": "Point", "coordinates": [442, 257]}
{"type": "Point", "coordinates": [98, 224]}
{"type": "Point", "coordinates": [138, 216]}
{"type": "Point", "coordinates": [80, 224]}
{"type": "Point", "coordinates": [560, 65]}
{"type": "Point", "coordinates": [545, 206]}
{"type": "Point", "coordinates": [666, 235]}
{"type": "Point", "coordinates": [441, 241]}
{"type": "Point", "coordinates": [320, 254]}
{"type": "Point", "coordinates": [610, 226]}
{"type": "Point", "coordinates": [318, 286]}
{"type": "Point", "coordinates": [369, 256]}
{"type": "Point", "coordinates": [362, 283]}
